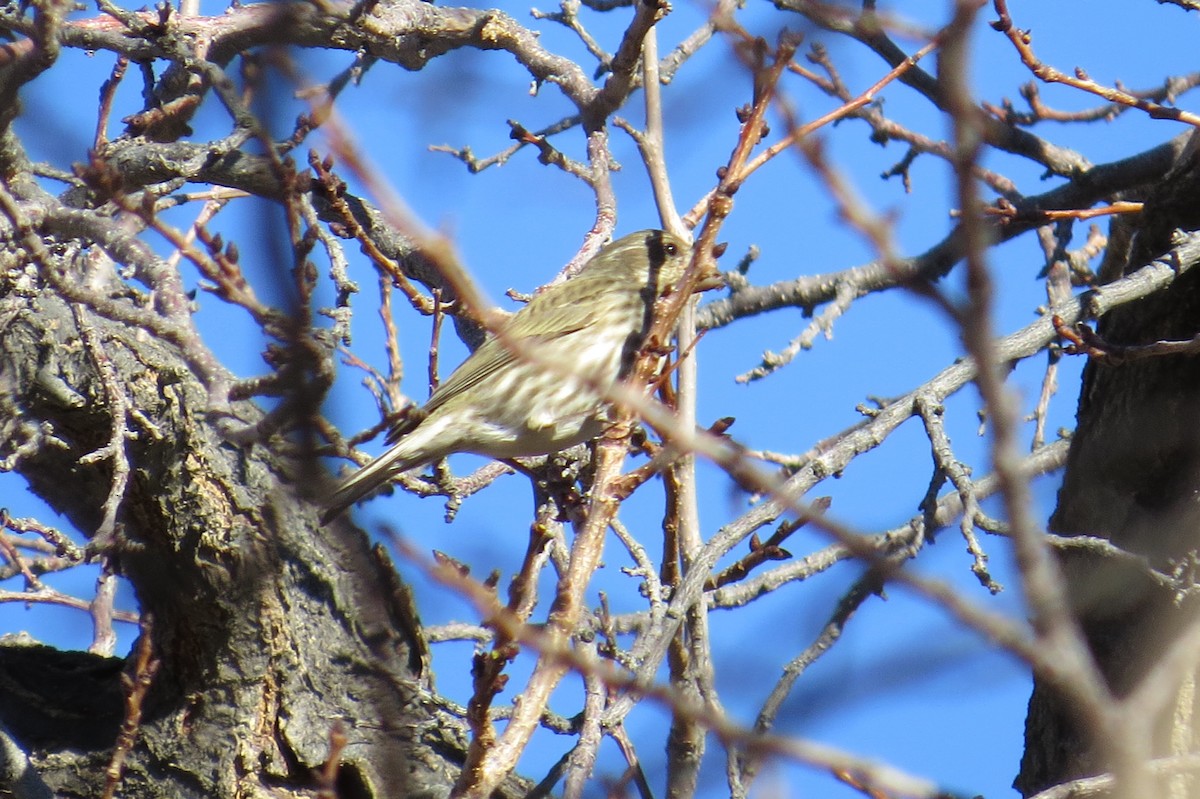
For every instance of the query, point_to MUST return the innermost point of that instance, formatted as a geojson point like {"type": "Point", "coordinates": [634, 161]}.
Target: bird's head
{"type": "Point", "coordinates": [653, 259]}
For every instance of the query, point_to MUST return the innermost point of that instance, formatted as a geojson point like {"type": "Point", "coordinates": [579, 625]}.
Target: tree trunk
{"type": "Point", "coordinates": [1132, 478]}
{"type": "Point", "coordinates": [270, 630]}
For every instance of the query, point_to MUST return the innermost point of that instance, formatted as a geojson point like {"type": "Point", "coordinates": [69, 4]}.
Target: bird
{"type": "Point", "coordinates": [504, 402]}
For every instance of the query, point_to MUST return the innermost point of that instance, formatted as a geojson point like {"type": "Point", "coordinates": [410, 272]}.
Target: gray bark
{"type": "Point", "coordinates": [268, 627]}
{"type": "Point", "coordinates": [1132, 477]}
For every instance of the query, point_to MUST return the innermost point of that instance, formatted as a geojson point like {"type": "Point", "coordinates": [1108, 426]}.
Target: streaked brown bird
{"type": "Point", "coordinates": [503, 405]}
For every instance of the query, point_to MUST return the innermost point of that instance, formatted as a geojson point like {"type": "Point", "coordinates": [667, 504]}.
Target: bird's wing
{"type": "Point", "coordinates": [483, 363]}
{"type": "Point", "coordinates": [491, 357]}
{"type": "Point", "coordinates": [404, 422]}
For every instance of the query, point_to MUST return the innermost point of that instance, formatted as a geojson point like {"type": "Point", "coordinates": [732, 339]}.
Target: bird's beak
{"type": "Point", "coordinates": [710, 278]}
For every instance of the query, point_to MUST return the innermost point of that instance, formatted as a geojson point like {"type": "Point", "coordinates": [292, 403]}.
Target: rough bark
{"type": "Point", "coordinates": [269, 628]}
{"type": "Point", "coordinates": [1132, 477]}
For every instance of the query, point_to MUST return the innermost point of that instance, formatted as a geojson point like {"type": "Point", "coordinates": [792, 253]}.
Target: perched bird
{"type": "Point", "coordinates": [503, 405]}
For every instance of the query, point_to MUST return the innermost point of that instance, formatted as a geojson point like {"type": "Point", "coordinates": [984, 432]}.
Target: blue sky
{"type": "Point", "coordinates": [906, 684]}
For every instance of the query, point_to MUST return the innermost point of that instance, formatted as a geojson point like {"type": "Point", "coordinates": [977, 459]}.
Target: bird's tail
{"type": "Point", "coordinates": [366, 480]}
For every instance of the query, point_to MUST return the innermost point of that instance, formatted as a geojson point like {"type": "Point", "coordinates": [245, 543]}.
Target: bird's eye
{"type": "Point", "coordinates": [670, 248]}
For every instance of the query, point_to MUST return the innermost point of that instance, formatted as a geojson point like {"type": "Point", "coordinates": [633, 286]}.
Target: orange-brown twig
{"type": "Point", "coordinates": [145, 666]}
{"type": "Point", "coordinates": [1022, 41]}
